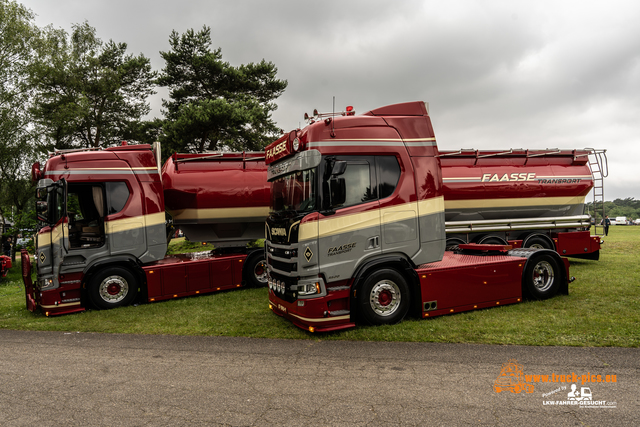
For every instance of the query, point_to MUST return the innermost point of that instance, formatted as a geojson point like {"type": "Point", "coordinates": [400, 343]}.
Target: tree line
{"type": "Point", "coordinates": [72, 90]}
{"type": "Point", "coordinates": [629, 207]}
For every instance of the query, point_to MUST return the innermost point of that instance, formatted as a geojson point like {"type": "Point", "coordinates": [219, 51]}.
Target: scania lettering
{"type": "Point", "coordinates": [105, 216]}
{"type": "Point", "coordinates": [363, 201]}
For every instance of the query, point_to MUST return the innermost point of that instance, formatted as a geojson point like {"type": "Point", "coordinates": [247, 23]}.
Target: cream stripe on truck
{"type": "Point", "coordinates": [347, 223]}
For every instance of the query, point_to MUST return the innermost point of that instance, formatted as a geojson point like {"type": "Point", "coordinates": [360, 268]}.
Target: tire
{"type": "Point", "coordinates": [491, 240]}
{"type": "Point", "coordinates": [112, 287]}
{"type": "Point", "coordinates": [255, 270]}
{"type": "Point", "coordinates": [453, 242]}
{"type": "Point", "coordinates": [384, 298]}
{"type": "Point", "coordinates": [542, 277]}
{"type": "Point", "coordinates": [538, 242]}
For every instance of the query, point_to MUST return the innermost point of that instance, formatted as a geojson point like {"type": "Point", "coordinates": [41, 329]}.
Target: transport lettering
{"type": "Point", "coordinates": [336, 250]}
{"type": "Point", "coordinates": [559, 181]}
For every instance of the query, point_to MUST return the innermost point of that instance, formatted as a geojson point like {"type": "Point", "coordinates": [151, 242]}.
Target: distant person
{"type": "Point", "coordinates": [6, 247]}
{"type": "Point", "coordinates": [607, 223]}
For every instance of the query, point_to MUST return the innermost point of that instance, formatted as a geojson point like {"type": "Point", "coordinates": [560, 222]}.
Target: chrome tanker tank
{"type": "Point", "coordinates": [221, 198]}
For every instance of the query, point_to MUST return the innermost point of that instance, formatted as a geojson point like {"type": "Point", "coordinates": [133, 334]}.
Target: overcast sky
{"type": "Point", "coordinates": [496, 74]}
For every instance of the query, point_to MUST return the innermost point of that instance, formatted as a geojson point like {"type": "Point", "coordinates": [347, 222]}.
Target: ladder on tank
{"type": "Point", "coordinates": [599, 170]}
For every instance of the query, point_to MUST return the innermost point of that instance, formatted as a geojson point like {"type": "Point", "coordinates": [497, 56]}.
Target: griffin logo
{"type": "Point", "coordinates": [308, 254]}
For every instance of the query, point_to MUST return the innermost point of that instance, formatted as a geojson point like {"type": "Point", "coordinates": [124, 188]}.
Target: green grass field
{"type": "Point", "coordinates": [602, 309]}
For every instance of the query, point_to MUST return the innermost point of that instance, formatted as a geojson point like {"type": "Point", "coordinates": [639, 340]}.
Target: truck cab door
{"type": "Point", "coordinates": [398, 216]}
{"type": "Point", "coordinates": [349, 233]}
{"type": "Point", "coordinates": [52, 238]}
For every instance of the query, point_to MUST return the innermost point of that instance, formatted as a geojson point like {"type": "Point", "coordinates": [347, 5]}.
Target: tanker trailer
{"type": "Point", "coordinates": [526, 198]}
{"type": "Point", "coordinates": [221, 198]}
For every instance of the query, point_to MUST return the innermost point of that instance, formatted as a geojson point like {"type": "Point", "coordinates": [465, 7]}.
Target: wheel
{"type": "Point", "coordinates": [538, 242]}
{"type": "Point", "coordinates": [255, 270]}
{"type": "Point", "coordinates": [542, 277]}
{"type": "Point", "coordinates": [491, 240]}
{"type": "Point", "coordinates": [384, 298]}
{"type": "Point", "coordinates": [453, 242]}
{"type": "Point", "coordinates": [112, 287]}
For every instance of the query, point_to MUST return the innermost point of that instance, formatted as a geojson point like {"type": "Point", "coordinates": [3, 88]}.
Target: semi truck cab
{"type": "Point", "coordinates": [96, 208]}
{"type": "Point", "coordinates": [357, 224]}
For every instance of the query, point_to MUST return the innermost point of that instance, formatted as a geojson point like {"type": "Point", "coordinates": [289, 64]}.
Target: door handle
{"type": "Point", "coordinates": [373, 242]}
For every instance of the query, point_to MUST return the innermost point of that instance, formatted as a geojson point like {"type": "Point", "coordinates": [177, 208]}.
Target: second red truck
{"type": "Point", "coordinates": [361, 206]}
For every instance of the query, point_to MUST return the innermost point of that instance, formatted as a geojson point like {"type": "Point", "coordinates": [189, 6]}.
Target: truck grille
{"type": "Point", "coordinates": [287, 267]}
{"type": "Point", "coordinates": [280, 253]}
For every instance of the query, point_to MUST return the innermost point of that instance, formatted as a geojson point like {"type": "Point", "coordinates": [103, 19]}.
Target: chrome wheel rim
{"type": "Point", "coordinates": [113, 289]}
{"type": "Point", "coordinates": [543, 276]}
{"type": "Point", "coordinates": [260, 272]}
{"type": "Point", "coordinates": [385, 298]}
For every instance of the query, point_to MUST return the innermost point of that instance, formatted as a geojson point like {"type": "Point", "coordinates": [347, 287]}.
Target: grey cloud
{"type": "Point", "coordinates": [497, 74]}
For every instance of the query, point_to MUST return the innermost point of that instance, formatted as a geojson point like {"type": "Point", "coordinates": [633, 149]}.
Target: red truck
{"type": "Point", "coordinates": [357, 228]}
{"type": "Point", "coordinates": [103, 231]}
{"type": "Point", "coordinates": [5, 265]}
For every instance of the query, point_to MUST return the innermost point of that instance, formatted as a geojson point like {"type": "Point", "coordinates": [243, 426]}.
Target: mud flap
{"type": "Point", "coordinates": [28, 284]}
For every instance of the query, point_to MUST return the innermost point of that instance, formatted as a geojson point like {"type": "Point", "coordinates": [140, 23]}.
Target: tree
{"type": "Point", "coordinates": [213, 104]}
{"type": "Point", "coordinates": [18, 38]}
{"type": "Point", "coordinates": [628, 207]}
{"type": "Point", "coordinates": [89, 93]}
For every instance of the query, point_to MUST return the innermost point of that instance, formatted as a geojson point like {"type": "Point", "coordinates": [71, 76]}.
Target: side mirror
{"type": "Point", "coordinates": [42, 206]}
{"type": "Point", "coordinates": [42, 211]}
{"type": "Point", "coordinates": [338, 189]}
{"type": "Point", "coordinates": [338, 168]}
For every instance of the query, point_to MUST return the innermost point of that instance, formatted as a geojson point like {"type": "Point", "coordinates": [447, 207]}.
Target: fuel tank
{"type": "Point", "coordinates": [493, 185]}
{"type": "Point", "coordinates": [221, 198]}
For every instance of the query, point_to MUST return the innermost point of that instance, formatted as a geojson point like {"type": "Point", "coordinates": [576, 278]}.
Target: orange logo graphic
{"type": "Point", "coordinates": [512, 378]}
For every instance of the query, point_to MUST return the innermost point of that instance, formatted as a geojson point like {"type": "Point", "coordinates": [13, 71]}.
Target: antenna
{"type": "Point", "coordinates": [333, 116]}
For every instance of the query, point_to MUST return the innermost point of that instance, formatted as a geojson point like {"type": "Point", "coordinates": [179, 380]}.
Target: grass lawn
{"type": "Point", "coordinates": [602, 309]}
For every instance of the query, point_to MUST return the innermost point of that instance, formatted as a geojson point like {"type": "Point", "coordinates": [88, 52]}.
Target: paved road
{"type": "Point", "coordinates": [79, 379]}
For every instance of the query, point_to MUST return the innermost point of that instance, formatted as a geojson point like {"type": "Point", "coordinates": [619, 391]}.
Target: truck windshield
{"type": "Point", "coordinates": [294, 192]}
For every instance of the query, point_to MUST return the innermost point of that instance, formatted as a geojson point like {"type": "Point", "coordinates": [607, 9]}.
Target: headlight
{"type": "Point", "coordinates": [46, 284]}
{"type": "Point", "coordinates": [309, 289]}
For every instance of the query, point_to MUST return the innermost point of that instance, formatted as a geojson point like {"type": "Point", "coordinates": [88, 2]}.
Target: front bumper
{"type": "Point", "coordinates": [322, 314]}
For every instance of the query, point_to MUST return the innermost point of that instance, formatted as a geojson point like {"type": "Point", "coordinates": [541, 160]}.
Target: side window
{"type": "Point", "coordinates": [73, 207]}
{"type": "Point", "coordinates": [117, 196]}
{"type": "Point", "coordinates": [388, 175]}
{"type": "Point", "coordinates": [85, 202]}
{"type": "Point", "coordinates": [358, 179]}
{"type": "Point", "coordinates": [86, 210]}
